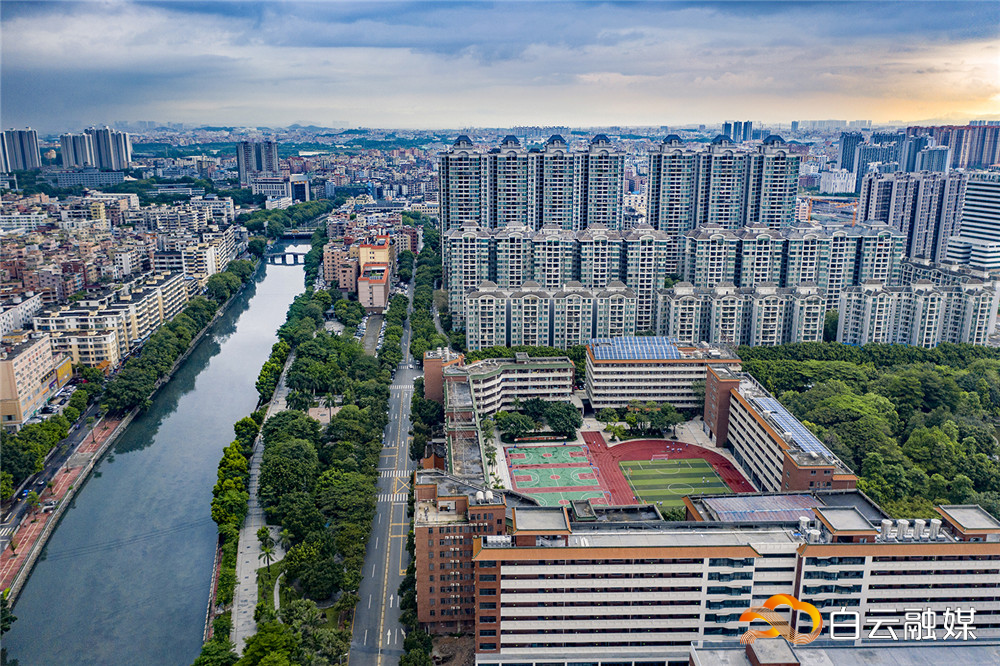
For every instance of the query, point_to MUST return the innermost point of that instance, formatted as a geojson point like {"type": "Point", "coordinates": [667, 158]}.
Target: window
{"type": "Point", "coordinates": [487, 646]}
{"type": "Point", "coordinates": [488, 605]}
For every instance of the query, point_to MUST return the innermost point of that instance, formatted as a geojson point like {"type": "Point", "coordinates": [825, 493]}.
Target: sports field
{"type": "Point", "coordinates": [546, 455]}
{"type": "Point", "coordinates": [562, 499]}
{"type": "Point", "coordinates": [554, 477]}
{"type": "Point", "coordinates": [667, 481]}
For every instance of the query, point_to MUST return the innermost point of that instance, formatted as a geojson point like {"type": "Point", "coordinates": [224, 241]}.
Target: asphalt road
{"type": "Point", "coordinates": [378, 635]}
{"type": "Point", "coordinates": [16, 511]}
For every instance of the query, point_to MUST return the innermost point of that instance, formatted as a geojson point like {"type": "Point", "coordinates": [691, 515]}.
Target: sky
{"type": "Point", "coordinates": [67, 65]}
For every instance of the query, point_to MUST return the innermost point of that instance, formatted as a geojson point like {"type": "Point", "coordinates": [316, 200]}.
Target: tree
{"type": "Point", "coordinates": [607, 415]}
{"type": "Point", "coordinates": [264, 537]}
{"type": "Point", "coordinates": [563, 418]}
{"type": "Point", "coordinates": [267, 554]}
{"type": "Point", "coordinates": [299, 400]}
{"type": "Point", "coordinates": [257, 246]}
{"type": "Point", "coordinates": [514, 425]}
{"type": "Point", "coordinates": [7, 618]}
{"type": "Point", "coordinates": [217, 652]}
{"type": "Point", "coordinates": [33, 500]}
{"type": "Point", "coordinates": [535, 409]}
{"type": "Point", "coordinates": [273, 640]}
{"type": "Point", "coordinates": [830, 323]}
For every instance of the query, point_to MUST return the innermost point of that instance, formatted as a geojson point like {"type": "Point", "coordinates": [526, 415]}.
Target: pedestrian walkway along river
{"type": "Point", "coordinates": [125, 578]}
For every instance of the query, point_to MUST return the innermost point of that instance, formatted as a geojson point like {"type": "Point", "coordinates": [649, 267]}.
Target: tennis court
{"type": "Point", "coordinates": [667, 481]}
{"type": "Point", "coordinates": [520, 456]}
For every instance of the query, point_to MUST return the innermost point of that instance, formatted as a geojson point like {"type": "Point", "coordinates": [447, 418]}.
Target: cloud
{"type": "Point", "coordinates": [458, 64]}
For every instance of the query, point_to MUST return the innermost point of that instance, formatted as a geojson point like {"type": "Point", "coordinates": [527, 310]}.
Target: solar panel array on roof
{"type": "Point", "coordinates": [803, 437]}
{"type": "Point", "coordinates": [740, 508]}
{"type": "Point", "coordinates": [638, 349]}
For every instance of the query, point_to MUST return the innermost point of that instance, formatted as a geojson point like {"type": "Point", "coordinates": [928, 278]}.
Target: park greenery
{"type": "Point", "coordinates": [405, 263]}
{"type": "Point", "coordinates": [918, 426]}
{"type": "Point", "coordinates": [273, 223]}
{"type": "Point", "coordinates": [317, 483]}
{"type": "Point", "coordinates": [647, 419]}
{"type": "Point", "coordinates": [562, 419]}
{"type": "Point", "coordinates": [426, 419]}
{"type": "Point", "coordinates": [423, 334]}
{"type": "Point", "coordinates": [133, 386]}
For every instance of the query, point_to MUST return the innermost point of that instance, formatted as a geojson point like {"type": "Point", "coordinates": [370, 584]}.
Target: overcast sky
{"type": "Point", "coordinates": [447, 64]}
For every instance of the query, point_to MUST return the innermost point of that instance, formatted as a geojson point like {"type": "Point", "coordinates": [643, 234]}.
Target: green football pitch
{"type": "Point", "coordinates": [667, 481]}
{"type": "Point", "coordinates": [554, 477]}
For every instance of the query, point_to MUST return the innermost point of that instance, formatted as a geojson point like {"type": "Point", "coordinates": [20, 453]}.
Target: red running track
{"type": "Point", "coordinates": [607, 458]}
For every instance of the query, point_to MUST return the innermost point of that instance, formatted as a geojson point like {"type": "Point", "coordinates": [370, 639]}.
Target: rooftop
{"type": "Point", "coordinates": [541, 518]}
{"type": "Point", "coordinates": [844, 518]}
{"type": "Point", "coordinates": [763, 508]}
{"type": "Point", "coordinates": [652, 348]}
{"type": "Point", "coordinates": [970, 517]}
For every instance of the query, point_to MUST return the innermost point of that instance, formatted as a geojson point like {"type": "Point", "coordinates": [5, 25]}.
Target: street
{"type": "Point", "coordinates": [38, 483]}
{"type": "Point", "coordinates": [378, 634]}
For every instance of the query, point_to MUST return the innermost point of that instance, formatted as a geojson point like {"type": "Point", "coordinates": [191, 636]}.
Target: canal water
{"type": "Point", "coordinates": [125, 577]}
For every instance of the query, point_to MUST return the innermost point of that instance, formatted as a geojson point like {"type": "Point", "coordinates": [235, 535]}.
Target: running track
{"type": "Point", "coordinates": [607, 458]}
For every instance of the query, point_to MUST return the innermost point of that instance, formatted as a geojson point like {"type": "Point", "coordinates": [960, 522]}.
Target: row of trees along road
{"type": "Point", "coordinates": [917, 425]}
{"type": "Point", "coordinates": [317, 483]}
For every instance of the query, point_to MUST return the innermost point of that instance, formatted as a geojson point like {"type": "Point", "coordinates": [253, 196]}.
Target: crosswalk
{"type": "Point", "coordinates": [4, 531]}
{"type": "Point", "coordinates": [401, 386]}
{"type": "Point", "coordinates": [393, 474]}
{"type": "Point", "coordinates": [396, 498]}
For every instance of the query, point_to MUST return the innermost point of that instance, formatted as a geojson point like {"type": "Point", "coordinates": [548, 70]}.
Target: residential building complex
{"type": "Point", "coordinates": [830, 257]}
{"type": "Point", "coordinates": [20, 151]}
{"type": "Point", "coordinates": [920, 313]}
{"type": "Point", "coordinates": [971, 146]}
{"type": "Point", "coordinates": [658, 369]}
{"type": "Point", "coordinates": [112, 149]}
{"type": "Point", "coordinates": [924, 206]}
{"type": "Point", "coordinates": [537, 187]}
{"type": "Point", "coordinates": [761, 315]}
{"type": "Point", "coordinates": [720, 184]}
{"type": "Point", "coordinates": [532, 315]}
{"type": "Point", "coordinates": [374, 286]}
{"type": "Point", "coordinates": [77, 150]}
{"type": "Point", "coordinates": [255, 159]}
{"type": "Point", "coordinates": [101, 330]}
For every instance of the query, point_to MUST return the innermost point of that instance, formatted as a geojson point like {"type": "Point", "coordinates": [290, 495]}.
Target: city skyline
{"type": "Point", "coordinates": [579, 64]}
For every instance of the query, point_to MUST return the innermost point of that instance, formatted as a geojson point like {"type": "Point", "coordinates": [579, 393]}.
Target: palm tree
{"type": "Point", "coordinates": [267, 554]}
{"type": "Point", "coordinates": [90, 424]}
{"type": "Point", "coordinates": [265, 538]}
{"type": "Point", "coordinates": [329, 400]}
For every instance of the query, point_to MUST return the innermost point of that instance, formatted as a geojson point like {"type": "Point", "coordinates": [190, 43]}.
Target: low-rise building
{"type": "Point", "coordinates": [373, 287]}
{"type": "Point", "coordinates": [30, 373]}
{"type": "Point", "coordinates": [496, 383]}
{"type": "Point", "coordinates": [655, 369]}
{"type": "Point", "coordinates": [17, 311]}
{"type": "Point", "coordinates": [775, 451]}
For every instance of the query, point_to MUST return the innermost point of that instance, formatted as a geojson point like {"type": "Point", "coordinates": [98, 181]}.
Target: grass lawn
{"type": "Point", "coordinates": [667, 481]}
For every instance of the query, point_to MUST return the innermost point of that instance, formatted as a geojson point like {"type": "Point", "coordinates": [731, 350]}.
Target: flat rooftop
{"type": "Point", "coordinates": [667, 538]}
{"type": "Point", "coordinates": [763, 508]}
{"type": "Point", "coordinates": [924, 653]}
{"type": "Point", "coordinates": [844, 518]}
{"type": "Point", "coordinates": [971, 517]}
{"type": "Point", "coordinates": [542, 518]}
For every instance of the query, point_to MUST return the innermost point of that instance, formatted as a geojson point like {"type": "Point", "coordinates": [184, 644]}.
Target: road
{"type": "Point", "coordinates": [378, 634]}
{"type": "Point", "coordinates": [57, 459]}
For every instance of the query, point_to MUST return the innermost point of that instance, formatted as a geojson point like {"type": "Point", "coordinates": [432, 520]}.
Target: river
{"type": "Point", "coordinates": [125, 577]}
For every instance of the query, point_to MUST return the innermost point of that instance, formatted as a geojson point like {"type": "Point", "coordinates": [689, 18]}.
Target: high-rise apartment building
{"type": "Point", "coordinates": [924, 206]}
{"type": "Point", "coordinates": [933, 158]}
{"type": "Point", "coordinates": [978, 241]}
{"type": "Point", "coordinates": [920, 314]}
{"type": "Point", "coordinates": [829, 257]}
{"type": "Point", "coordinates": [548, 185]}
{"type": "Point", "coordinates": [763, 315]}
{"type": "Point", "coordinates": [849, 142]}
{"type": "Point", "coordinates": [21, 148]}
{"type": "Point", "coordinates": [257, 159]}
{"type": "Point", "coordinates": [971, 145]}
{"type": "Point", "coordinates": [77, 150]}
{"type": "Point", "coordinates": [721, 185]}
{"type": "Point", "coordinates": [532, 315]}
{"type": "Point", "coordinates": [883, 158]}
{"type": "Point", "coordinates": [112, 149]}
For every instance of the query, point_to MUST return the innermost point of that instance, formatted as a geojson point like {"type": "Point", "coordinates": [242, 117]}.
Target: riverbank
{"type": "Point", "coordinates": [31, 536]}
